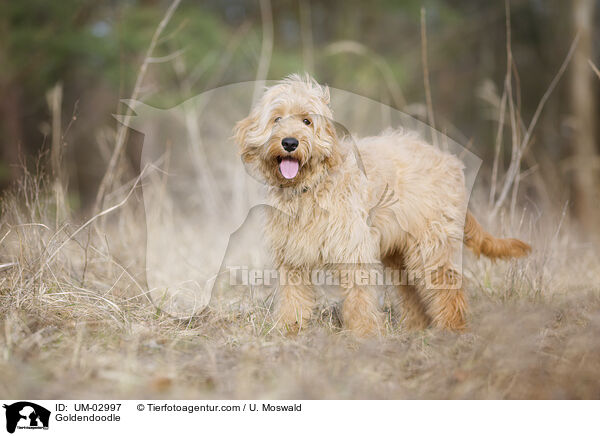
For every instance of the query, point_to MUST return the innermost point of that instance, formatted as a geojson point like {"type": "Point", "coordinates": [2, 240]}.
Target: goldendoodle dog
{"type": "Point", "coordinates": [324, 188]}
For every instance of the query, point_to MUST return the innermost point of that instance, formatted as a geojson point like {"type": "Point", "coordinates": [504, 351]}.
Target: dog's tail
{"type": "Point", "coordinates": [481, 242]}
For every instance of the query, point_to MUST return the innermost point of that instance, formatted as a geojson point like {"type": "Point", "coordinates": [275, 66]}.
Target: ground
{"type": "Point", "coordinates": [75, 324]}
{"type": "Point", "coordinates": [523, 349]}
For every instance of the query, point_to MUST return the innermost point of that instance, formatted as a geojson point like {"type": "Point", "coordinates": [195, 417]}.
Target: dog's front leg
{"type": "Point", "coordinates": [360, 310]}
{"type": "Point", "coordinates": [294, 299]}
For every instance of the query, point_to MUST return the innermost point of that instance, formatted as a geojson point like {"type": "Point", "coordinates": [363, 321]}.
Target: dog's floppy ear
{"type": "Point", "coordinates": [329, 126]}
{"type": "Point", "coordinates": [335, 157]}
{"type": "Point", "coordinates": [325, 94]}
{"type": "Point", "coordinates": [240, 135]}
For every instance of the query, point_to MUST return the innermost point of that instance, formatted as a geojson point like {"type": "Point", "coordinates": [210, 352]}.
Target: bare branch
{"type": "Point", "coordinates": [428, 98]}
{"type": "Point", "coordinates": [267, 48]}
{"type": "Point", "coordinates": [122, 132]}
{"type": "Point", "coordinates": [307, 38]}
{"type": "Point", "coordinates": [595, 68]}
{"type": "Point", "coordinates": [515, 164]}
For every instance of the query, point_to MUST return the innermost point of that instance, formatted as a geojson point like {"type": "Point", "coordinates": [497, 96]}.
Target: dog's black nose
{"type": "Point", "coordinates": [289, 144]}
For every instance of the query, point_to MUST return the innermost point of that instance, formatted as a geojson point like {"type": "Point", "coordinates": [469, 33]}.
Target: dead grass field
{"type": "Point", "coordinates": [75, 324]}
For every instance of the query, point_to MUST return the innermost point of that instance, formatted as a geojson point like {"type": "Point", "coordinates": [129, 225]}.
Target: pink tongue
{"type": "Point", "coordinates": [289, 167]}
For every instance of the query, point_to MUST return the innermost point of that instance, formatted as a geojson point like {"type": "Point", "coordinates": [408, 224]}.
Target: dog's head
{"type": "Point", "coordinates": [289, 135]}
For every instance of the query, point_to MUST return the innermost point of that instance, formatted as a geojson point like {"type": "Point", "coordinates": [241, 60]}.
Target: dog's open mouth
{"type": "Point", "coordinates": [288, 167]}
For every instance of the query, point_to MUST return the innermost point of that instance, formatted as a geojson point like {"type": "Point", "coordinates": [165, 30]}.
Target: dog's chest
{"type": "Point", "coordinates": [303, 234]}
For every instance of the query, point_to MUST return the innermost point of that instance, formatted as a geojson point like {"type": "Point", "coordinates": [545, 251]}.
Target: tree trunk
{"type": "Point", "coordinates": [585, 176]}
{"type": "Point", "coordinates": [12, 132]}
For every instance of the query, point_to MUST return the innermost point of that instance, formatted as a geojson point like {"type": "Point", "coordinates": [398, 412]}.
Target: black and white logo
{"type": "Point", "coordinates": [26, 415]}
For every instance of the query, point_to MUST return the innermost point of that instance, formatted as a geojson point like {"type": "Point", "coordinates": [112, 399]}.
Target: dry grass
{"type": "Point", "coordinates": [76, 323]}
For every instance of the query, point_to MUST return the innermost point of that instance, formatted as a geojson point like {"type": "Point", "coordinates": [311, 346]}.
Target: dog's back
{"type": "Point", "coordinates": [423, 187]}
{"type": "Point", "coordinates": [414, 189]}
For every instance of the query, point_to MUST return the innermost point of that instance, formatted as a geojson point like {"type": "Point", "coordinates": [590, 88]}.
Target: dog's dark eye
{"type": "Point", "coordinates": [306, 121]}
{"type": "Point", "coordinates": [277, 119]}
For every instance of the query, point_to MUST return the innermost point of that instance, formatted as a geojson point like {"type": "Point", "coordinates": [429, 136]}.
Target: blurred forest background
{"type": "Point", "coordinates": [515, 81]}
{"type": "Point", "coordinates": [66, 64]}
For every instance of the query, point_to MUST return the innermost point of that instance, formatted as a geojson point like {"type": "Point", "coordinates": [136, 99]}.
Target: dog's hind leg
{"type": "Point", "coordinates": [412, 311]}
{"type": "Point", "coordinates": [445, 299]}
{"type": "Point", "coordinates": [439, 286]}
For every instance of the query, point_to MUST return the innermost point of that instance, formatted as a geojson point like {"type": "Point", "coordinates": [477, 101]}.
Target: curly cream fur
{"type": "Point", "coordinates": [329, 214]}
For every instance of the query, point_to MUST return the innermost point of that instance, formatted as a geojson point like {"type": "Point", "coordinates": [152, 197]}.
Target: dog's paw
{"type": "Point", "coordinates": [365, 326]}
{"type": "Point", "coordinates": [290, 323]}
{"type": "Point", "coordinates": [290, 329]}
